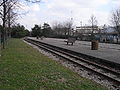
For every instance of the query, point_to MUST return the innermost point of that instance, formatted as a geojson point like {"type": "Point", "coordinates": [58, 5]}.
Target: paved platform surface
{"type": "Point", "coordinates": [109, 52]}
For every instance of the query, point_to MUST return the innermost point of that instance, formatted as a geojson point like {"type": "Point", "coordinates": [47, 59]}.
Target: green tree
{"type": "Point", "coordinates": [19, 31]}
{"type": "Point", "coordinates": [36, 31]}
{"type": "Point", "coordinates": [46, 31]}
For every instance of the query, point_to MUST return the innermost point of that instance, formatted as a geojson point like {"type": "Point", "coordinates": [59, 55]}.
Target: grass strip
{"type": "Point", "coordinates": [25, 68]}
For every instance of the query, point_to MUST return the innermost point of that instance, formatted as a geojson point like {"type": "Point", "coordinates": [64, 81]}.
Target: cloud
{"type": "Point", "coordinates": [61, 10]}
{"type": "Point", "coordinates": [77, 3]}
{"type": "Point", "coordinates": [81, 9]}
{"type": "Point", "coordinates": [35, 7]}
{"type": "Point", "coordinates": [117, 2]}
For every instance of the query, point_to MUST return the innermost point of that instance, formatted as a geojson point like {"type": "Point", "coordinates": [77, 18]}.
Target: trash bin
{"type": "Point", "coordinates": [94, 45]}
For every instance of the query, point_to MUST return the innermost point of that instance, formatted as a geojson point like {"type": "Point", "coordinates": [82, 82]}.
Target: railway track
{"type": "Point", "coordinates": [107, 73]}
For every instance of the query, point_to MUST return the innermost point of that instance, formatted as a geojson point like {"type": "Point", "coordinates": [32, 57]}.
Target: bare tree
{"type": "Point", "coordinates": [103, 33]}
{"type": "Point", "coordinates": [56, 27]}
{"type": "Point", "coordinates": [93, 22]}
{"type": "Point", "coordinates": [11, 20]}
{"type": "Point", "coordinates": [63, 28]}
{"type": "Point", "coordinates": [8, 16]}
{"type": "Point", "coordinates": [5, 8]}
{"type": "Point", "coordinates": [69, 26]}
{"type": "Point", "coordinates": [115, 19]}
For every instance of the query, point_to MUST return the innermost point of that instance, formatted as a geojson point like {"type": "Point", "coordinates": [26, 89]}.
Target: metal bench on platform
{"type": "Point", "coordinates": [71, 40]}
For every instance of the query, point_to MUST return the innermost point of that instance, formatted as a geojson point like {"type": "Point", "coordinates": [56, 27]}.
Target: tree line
{"type": "Point", "coordinates": [57, 30]}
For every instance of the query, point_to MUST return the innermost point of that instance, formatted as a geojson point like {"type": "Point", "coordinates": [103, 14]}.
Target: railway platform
{"type": "Point", "coordinates": [108, 52]}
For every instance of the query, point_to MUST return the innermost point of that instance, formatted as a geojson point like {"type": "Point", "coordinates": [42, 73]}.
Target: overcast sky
{"type": "Point", "coordinates": [51, 11]}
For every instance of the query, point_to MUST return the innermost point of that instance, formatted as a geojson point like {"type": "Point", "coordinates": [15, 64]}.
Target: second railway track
{"type": "Point", "coordinates": [107, 73]}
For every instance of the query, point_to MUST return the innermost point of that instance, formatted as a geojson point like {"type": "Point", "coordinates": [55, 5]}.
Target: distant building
{"type": "Point", "coordinates": [102, 34]}
{"type": "Point", "coordinates": [108, 35]}
{"type": "Point", "coordinates": [84, 32]}
{"type": "Point", "coordinates": [87, 29]}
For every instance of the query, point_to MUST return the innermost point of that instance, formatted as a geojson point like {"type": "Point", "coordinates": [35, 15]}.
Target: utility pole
{"type": "Point", "coordinates": [70, 31]}
{"type": "Point", "coordinates": [81, 23]}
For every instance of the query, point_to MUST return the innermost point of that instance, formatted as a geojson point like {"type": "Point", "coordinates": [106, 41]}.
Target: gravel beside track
{"type": "Point", "coordinates": [81, 71]}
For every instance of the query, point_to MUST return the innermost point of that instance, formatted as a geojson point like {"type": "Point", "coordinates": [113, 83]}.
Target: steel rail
{"type": "Point", "coordinates": [68, 57]}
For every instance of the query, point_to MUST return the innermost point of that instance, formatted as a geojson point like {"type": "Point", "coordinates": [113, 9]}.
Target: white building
{"type": "Point", "coordinates": [87, 29]}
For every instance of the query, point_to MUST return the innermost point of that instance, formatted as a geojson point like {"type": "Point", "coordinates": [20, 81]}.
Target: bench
{"type": "Point", "coordinates": [41, 37]}
{"type": "Point", "coordinates": [71, 40]}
